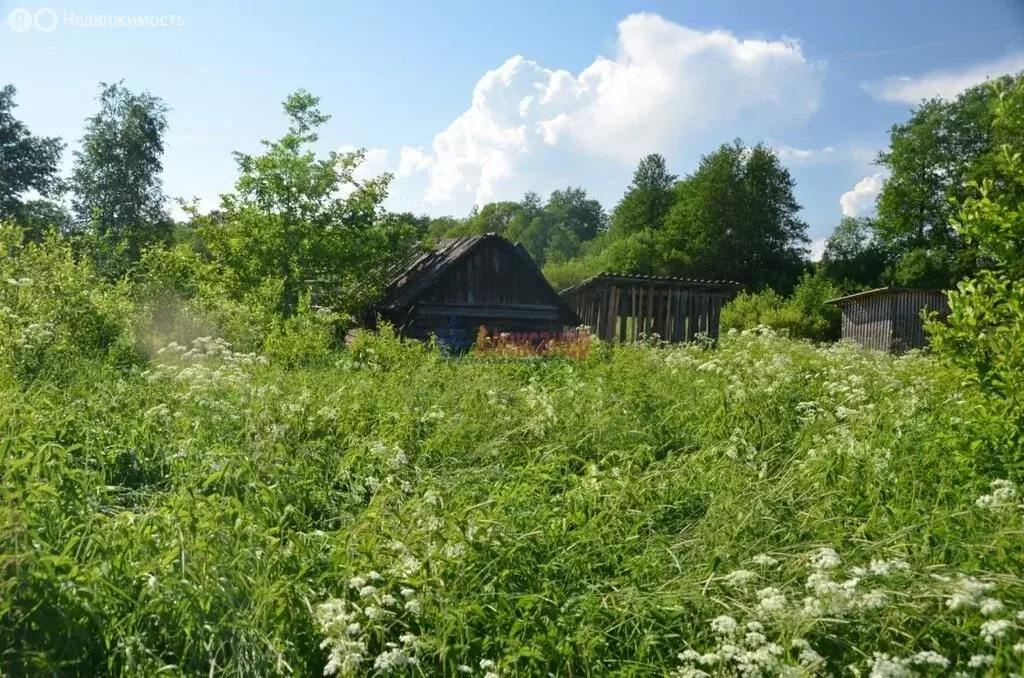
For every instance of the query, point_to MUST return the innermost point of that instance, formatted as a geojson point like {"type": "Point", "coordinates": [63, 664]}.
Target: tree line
{"type": "Point", "coordinates": [303, 224]}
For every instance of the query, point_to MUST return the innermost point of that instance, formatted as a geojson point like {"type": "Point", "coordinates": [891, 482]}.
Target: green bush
{"type": "Point", "coordinates": [984, 334]}
{"type": "Point", "coordinates": [803, 315]}
{"type": "Point", "coordinates": [55, 310]}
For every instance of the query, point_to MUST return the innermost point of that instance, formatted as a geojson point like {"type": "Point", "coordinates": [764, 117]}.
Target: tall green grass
{"type": "Point", "coordinates": [766, 508]}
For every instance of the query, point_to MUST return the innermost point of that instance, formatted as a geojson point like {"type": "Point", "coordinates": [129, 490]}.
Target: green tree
{"type": "Point", "coordinates": [303, 223]}
{"type": "Point", "coordinates": [116, 185]}
{"type": "Point", "coordinates": [736, 218]}
{"type": "Point", "coordinates": [27, 163]}
{"type": "Point", "coordinates": [853, 256]}
{"type": "Point", "coordinates": [932, 159]}
{"type": "Point", "coordinates": [984, 333]}
{"type": "Point", "coordinates": [647, 200]}
{"type": "Point", "coordinates": [584, 217]}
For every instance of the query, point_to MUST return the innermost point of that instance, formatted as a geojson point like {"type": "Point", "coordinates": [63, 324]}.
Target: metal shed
{"type": "Point", "coordinates": [621, 306]}
{"type": "Point", "coordinates": [469, 282]}
{"type": "Point", "coordinates": [889, 318]}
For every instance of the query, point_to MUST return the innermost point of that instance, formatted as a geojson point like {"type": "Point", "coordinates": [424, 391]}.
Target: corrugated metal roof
{"type": "Point", "coordinates": [883, 290]}
{"type": "Point", "coordinates": [660, 280]}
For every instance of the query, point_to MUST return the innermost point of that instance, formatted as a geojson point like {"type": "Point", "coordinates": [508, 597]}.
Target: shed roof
{"type": "Point", "coordinates": [410, 278]}
{"type": "Point", "coordinates": [651, 281]}
{"type": "Point", "coordinates": [883, 290]}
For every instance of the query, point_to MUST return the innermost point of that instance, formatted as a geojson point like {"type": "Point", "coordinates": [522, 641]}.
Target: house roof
{"type": "Point", "coordinates": [651, 280]}
{"type": "Point", "coordinates": [409, 279]}
{"type": "Point", "coordinates": [884, 290]}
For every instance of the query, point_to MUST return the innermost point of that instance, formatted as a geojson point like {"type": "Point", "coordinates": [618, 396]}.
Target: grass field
{"type": "Point", "coordinates": [766, 508]}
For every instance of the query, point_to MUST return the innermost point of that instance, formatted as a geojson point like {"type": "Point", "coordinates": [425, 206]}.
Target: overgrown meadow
{"type": "Point", "coordinates": [767, 507]}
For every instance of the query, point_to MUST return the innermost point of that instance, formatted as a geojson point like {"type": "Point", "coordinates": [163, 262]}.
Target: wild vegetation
{"type": "Point", "coordinates": [196, 478]}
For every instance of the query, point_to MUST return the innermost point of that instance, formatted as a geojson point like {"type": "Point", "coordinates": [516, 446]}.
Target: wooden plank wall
{"type": "Point", "coordinates": [891, 322]}
{"type": "Point", "coordinates": [908, 327]}
{"type": "Point", "coordinates": [868, 321]}
{"type": "Point", "coordinates": [626, 312]}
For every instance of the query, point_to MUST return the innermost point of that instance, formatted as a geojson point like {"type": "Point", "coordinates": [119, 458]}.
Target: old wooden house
{"type": "Point", "coordinates": [889, 318]}
{"type": "Point", "coordinates": [623, 307]}
{"type": "Point", "coordinates": [469, 282]}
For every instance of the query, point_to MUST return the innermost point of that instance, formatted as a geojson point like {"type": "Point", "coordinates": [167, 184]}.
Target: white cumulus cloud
{"type": "Point", "coordinates": [860, 200]}
{"type": "Point", "coordinates": [941, 83]}
{"type": "Point", "coordinates": [666, 85]}
{"type": "Point", "coordinates": [818, 249]}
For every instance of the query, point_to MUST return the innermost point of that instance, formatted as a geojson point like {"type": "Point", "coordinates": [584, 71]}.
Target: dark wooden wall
{"type": "Point", "coordinates": [907, 326]}
{"type": "Point", "coordinates": [891, 321]}
{"type": "Point", "coordinates": [618, 310]}
{"type": "Point", "coordinates": [868, 321]}
{"type": "Point", "coordinates": [494, 287]}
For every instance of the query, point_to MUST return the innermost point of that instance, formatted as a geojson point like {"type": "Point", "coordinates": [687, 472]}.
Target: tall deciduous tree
{"type": "Point", "coordinates": [931, 159]}
{"type": "Point", "coordinates": [303, 222]}
{"type": "Point", "coordinates": [116, 182]}
{"type": "Point", "coordinates": [648, 198]}
{"type": "Point", "coordinates": [27, 163]}
{"type": "Point", "coordinates": [735, 217]}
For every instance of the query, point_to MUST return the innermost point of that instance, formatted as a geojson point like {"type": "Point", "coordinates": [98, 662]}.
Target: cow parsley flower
{"type": "Point", "coordinates": [771, 599]}
{"type": "Point", "coordinates": [990, 606]}
{"type": "Point", "coordinates": [980, 661]}
{"type": "Point", "coordinates": [826, 559]}
{"type": "Point", "coordinates": [724, 625]}
{"type": "Point", "coordinates": [930, 658]}
{"type": "Point", "coordinates": [1004, 494]}
{"type": "Point", "coordinates": [884, 666]}
{"type": "Point", "coordinates": [740, 577]}
{"type": "Point", "coordinates": [764, 560]}
{"type": "Point", "coordinates": [994, 629]}
{"type": "Point", "coordinates": [967, 593]}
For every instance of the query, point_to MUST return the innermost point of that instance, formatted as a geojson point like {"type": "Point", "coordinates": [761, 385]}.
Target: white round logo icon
{"type": "Point", "coordinates": [20, 19]}
{"type": "Point", "coordinates": [46, 20]}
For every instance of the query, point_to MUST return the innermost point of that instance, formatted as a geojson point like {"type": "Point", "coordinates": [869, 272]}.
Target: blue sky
{"type": "Point", "coordinates": [475, 101]}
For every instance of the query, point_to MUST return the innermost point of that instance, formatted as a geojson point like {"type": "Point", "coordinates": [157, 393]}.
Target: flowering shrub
{"type": "Point", "coordinates": [770, 507]}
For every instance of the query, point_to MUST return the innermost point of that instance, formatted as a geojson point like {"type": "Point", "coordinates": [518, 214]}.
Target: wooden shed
{"type": "Point", "coordinates": [466, 283]}
{"type": "Point", "coordinates": [620, 306]}
{"type": "Point", "coordinates": [889, 318]}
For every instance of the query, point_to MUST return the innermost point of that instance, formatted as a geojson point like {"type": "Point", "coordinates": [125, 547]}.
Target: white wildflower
{"type": "Point", "coordinates": [1004, 494]}
{"type": "Point", "coordinates": [771, 599]}
{"type": "Point", "coordinates": [990, 606]}
{"type": "Point", "coordinates": [353, 629]}
{"type": "Point", "coordinates": [884, 666]}
{"type": "Point", "coordinates": [993, 629]}
{"type": "Point", "coordinates": [406, 592]}
{"type": "Point", "coordinates": [724, 625]}
{"type": "Point", "coordinates": [740, 577]}
{"type": "Point", "coordinates": [1018, 648]}
{"type": "Point", "coordinates": [967, 593]}
{"type": "Point", "coordinates": [388, 600]}
{"type": "Point", "coordinates": [873, 600]}
{"type": "Point", "coordinates": [372, 612]}
{"type": "Point", "coordinates": [980, 660]}
{"type": "Point", "coordinates": [356, 583]}
{"type": "Point", "coordinates": [487, 665]}
{"type": "Point", "coordinates": [930, 658]}
{"type": "Point", "coordinates": [764, 560]}
{"type": "Point", "coordinates": [462, 668]}
{"type": "Point", "coordinates": [826, 559]}
{"type": "Point", "coordinates": [413, 607]}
